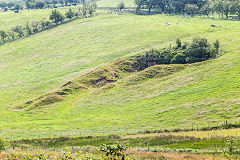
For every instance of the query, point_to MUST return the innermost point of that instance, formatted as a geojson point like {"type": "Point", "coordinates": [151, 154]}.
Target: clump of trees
{"type": "Point", "coordinates": [196, 51]}
{"type": "Point", "coordinates": [55, 18]}
{"type": "Point", "coordinates": [41, 4]}
{"type": "Point", "coordinates": [221, 7]}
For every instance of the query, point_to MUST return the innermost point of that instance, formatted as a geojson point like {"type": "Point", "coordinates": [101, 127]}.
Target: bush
{"type": "Point", "coordinates": [199, 50]}
{"type": "Point", "coordinates": [179, 59]}
{"type": "Point", "coordinates": [2, 144]}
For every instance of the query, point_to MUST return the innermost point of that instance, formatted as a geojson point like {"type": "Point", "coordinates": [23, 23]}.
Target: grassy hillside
{"type": "Point", "coordinates": [205, 94]}
{"type": "Point", "coordinates": [11, 19]}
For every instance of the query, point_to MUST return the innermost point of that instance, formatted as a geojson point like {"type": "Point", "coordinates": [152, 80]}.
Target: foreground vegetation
{"type": "Point", "coordinates": [166, 146]}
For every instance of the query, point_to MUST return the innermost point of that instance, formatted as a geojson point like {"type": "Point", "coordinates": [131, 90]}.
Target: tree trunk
{"type": "Point", "coordinates": [149, 9]}
{"type": "Point", "coordinates": [163, 9]}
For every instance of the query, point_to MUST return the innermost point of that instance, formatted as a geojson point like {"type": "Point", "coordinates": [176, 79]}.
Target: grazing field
{"type": "Point", "coordinates": [114, 3]}
{"type": "Point", "coordinates": [8, 20]}
{"type": "Point", "coordinates": [11, 19]}
{"type": "Point", "coordinates": [202, 94]}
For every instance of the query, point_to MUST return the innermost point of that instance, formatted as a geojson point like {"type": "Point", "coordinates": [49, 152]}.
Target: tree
{"type": "Point", "coordinates": [54, 2]}
{"type": "Point", "coordinates": [226, 7]}
{"type": "Point", "coordinates": [30, 4]}
{"type": "Point", "coordinates": [35, 26]}
{"type": "Point", "coordinates": [140, 4]}
{"type": "Point", "coordinates": [10, 5]}
{"type": "Point", "coordinates": [3, 35]}
{"type": "Point", "coordinates": [3, 5]}
{"type": "Point", "coordinates": [218, 7]}
{"type": "Point", "coordinates": [206, 9]}
{"type": "Point", "coordinates": [40, 4]}
{"type": "Point", "coordinates": [151, 4]}
{"type": "Point", "coordinates": [91, 9]}
{"type": "Point", "coordinates": [121, 5]}
{"type": "Point", "coordinates": [18, 7]}
{"type": "Point", "coordinates": [62, 2]}
{"type": "Point", "coordinates": [11, 34]}
{"type": "Point", "coordinates": [28, 29]}
{"type": "Point", "coordinates": [19, 31]}
{"type": "Point", "coordinates": [191, 9]}
{"type": "Point", "coordinates": [235, 8]}
{"type": "Point", "coordinates": [70, 14]}
{"type": "Point", "coordinates": [56, 16]}
{"type": "Point", "coordinates": [199, 50]}
{"type": "Point", "coordinates": [178, 5]}
{"type": "Point", "coordinates": [84, 11]}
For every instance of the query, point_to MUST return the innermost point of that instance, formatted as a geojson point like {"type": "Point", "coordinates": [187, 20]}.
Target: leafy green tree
{"type": "Point", "coordinates": [18, 7]}
{"type": "Point", "coordinates": [199, 50]}
{"type": "Point", "coordinates": [84, 11]}
{"type": "Point", "coordinates": [19, 30]}
{"type": "Point", "coordinates": [62, 2]}
{"type": "Point", "coordinates": [35, 26]}
{"type": "Point", "coordinates": [30, 4]}
{"type": "Point", "coordinates": [40, 4]}
{"type": "Point", "coordinates": [191, 9]}
{"type": "Point", "coordinates": [56, 16]}
{"type": "Point", "coordinates": [10, 5]}
{"type": "Point", "coordinates": [206, 9]}
{"type": "Point", "coordinates": [121, 5]}
{"type": "Point", "coordinates": [218, 7]}
{"type": "Point", "coordinates": [55, 2]}
{"type": "Point", "coordinates": [91, 9]}
{"type": "Point", "coordinates": [70, 14]}
{"type": "Point", "coordinates": [11, 35]}
{"type": "Point", "coordinates": [28, 29]}
{"type": "Point", "coordinates": [3, 5]}
{"type": "Point", "coordinates": [235, 8]}
{"type": "Point", "coordinates": [226, 7]}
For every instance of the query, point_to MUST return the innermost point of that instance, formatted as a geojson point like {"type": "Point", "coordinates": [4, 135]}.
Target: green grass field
{"type": "Point", "coordinates": [204, 94]}
{"type": "Point", "coordinates": [8, 20]}
{"type": "Point", "coordinates": [114, 3]}
{"type": "Point", "coordinates": [11, 19]}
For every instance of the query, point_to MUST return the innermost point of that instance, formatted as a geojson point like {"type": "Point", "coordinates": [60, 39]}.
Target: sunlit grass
{"type": "Point", "coordinates": [204, 94]}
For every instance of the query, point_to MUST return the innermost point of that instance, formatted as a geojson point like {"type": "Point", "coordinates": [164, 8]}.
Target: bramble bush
{"type": "Point", "coordinates": [115, 151]}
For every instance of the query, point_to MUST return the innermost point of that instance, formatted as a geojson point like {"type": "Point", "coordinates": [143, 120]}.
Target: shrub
{"type": "Point", "coordinates": [179, 59]}
{"type": "Point", "coordinates": [199, 50]}
{"type": "Point", "coordinates": [115, 151]}
{"type": "Point", "coordinates": [196, 51]}
{"type": "Point", "coordinates": [2, 144]}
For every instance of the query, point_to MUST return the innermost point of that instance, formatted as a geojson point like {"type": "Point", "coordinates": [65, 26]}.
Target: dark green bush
{"type": "Point", "coordinates": [196, 51]}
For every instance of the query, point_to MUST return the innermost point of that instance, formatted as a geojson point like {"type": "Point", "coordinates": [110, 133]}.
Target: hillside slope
{"type": "Point", "coordinates": [202, 94]}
